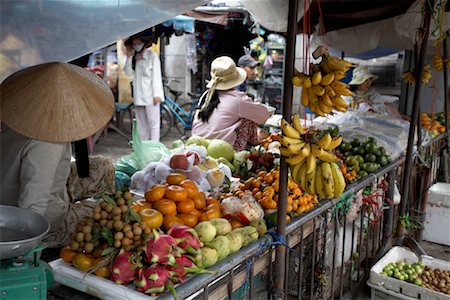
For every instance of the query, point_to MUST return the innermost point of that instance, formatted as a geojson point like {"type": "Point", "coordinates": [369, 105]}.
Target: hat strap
{"type": "Point", "coordinates": [214, 81]}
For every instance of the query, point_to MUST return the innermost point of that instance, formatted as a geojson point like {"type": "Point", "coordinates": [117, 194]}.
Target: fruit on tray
{"type": "Point", "coordinates": [410, 78]}
{"type": "Point", "coordinates": [419, 274]}
{"type": "Point", "coordinates": [434, 125]}
{"type": "Point", "coordinates": [363, 157]}
{"type": "Point", "coordinates": [322, 88]}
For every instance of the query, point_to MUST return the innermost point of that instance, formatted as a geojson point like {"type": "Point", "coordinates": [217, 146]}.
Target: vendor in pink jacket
{"type": "Point", "coordinates": [226, 113]}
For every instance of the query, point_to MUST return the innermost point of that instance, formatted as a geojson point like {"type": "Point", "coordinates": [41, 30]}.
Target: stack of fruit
{"type": "Point", "coordinates": [313, 167]}
{"type": "Point", "coordinates": [410, 78]}
{"type": "Point", "coordinates": [438, 63]}
{"type": "Point", "coordinates": [323, 88]}
{"type": "Point", "coordinates": [363, 157]}
{"type": "Point", "coordinates": [180, 202]}
{"type": "Point", "coordinates": [220, 240]}
{"type": "Point", "coordinates": [435, 126]}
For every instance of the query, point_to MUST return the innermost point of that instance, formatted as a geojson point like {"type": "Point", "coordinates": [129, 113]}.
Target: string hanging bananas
{"type": "Point", "coordinates": [410, 78]}
{"type": "Point", "coordinates": [311, 163]}
{"type": "Point", "coordinates": [322, 90]}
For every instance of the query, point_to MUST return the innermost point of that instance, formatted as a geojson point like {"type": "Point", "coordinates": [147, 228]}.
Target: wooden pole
{"type": "Point", "coordinates": [279, 288]}
{"type": "Point", "coordinates": [414, 115]}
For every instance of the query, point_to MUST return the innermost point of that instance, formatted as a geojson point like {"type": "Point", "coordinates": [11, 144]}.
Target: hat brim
{"type": "Point", "coordinates": [223, 86]}
{"type": "Point", "coordinates": [253, 64]}
{"type": "Point", "coordinates": [361, 79]}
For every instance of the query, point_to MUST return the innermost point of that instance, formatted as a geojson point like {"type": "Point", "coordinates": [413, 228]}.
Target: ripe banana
{"type": "Point", "coordinates": [338, 179]}
{"type": "Point", "coordinates": [311, 163]}
{"type": "Point", "coordinates": [297, 81]}
{"type": "Point", "coordinates": [306, 150]}
{"type": "Point", "coordinates": [318, 90]}
{"type": "Point", "coordinates": [307, 83]}
{"type": "Point", "coordinates": [295, 170]}
{"type": "Point", "coordinates": [286, 152]}
{"type": "Point", "coordinates": [297, 124]}
{"type": "Point", "coordinates": [324, 141]}
{"type": "Point", "coordinates": [328, 183]}
{"type": "Point", "coordinates": [286, 141]}
{"type": "Point", "coordinates": [334, 143]}
{"type": "Point", "coordinates": [327, 109]}
{"type": "Point", "coordinates": [319, 184]}
{"type": "Point", "coordinates": [322, 154]}
{"type": "Point", "coordinates": [310, 183]}
{"type": "Point", "coordinates": [288, 130]}
{"type": "Point", "coordinates": [301, 177]}
{"type": "Point", "coordinates": [326, 100]}
{"type": "Point", "coordinates": [316, 78]}
{"type": "Point", "coordinates": [305, 97]}
{"type": "Point", "coordinates": [296, 159]}
{"type": "Point", "coordinates": [408, 77]}
{"type": "Point", "coordinates": [296, 148]}
{"type": "Point", "coordinates": [327, 79]}
{"type": "Point", "coordinates": [438, 63]}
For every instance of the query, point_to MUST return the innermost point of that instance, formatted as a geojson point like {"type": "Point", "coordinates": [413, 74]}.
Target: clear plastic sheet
{"type": "Point", "coordinates": [39, 31]}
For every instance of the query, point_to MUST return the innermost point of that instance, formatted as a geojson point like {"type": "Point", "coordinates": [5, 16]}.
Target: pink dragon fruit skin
{"type": "Point", "coordinates": [160, 249]}
{"type": "Point", "coordinates": [181, 263]}
{"type": "Point", "coordinates": [186, 237]}
{"type": "Point", "coordinates": [123, 271]}
{"type": "Point", "coordinates": [154, 279]}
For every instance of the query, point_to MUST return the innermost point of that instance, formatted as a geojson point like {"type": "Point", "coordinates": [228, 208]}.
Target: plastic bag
{"type": "Point", "coordinates": [245, 209]}
{"type": "Point", "coordinates": [122, 181]}
{"type": "Point", "coordinates": [147, 151]}
{"type": "Point", "coordinates": [128, 164]}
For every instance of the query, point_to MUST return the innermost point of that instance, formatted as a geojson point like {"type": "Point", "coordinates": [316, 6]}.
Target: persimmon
{"type": "Point", "coordinates": [140, 204]}
{"type": "Point", "coordinates": [176, 193]}
{"type": "Point", "coordinates": [151, 217]}
{"type": "Point", "coordinates": [200, 200]}
{"type": "Point", "coordinates": [195, 212]}
{"type": "Point", "coordinates": [188, 219]}
{"type": "Point", "coordinates": [186, 206]}
{"type": "Point", "coordinates": [236, 224]}
{"type": "Point", "coordinates": [210, 214]}
{"type": "Point", "coordinates": [175, 178]}
{"type": "Point", "coordinates": [212, 201]}
{"type": "Point", "coordinates": [215, 206]}
{"type": "Point", "coordinates": [67, 254]}
{"type": "Point", "coordinates": [171, 220]}
{"type": "Point", "coordinates": [190, 187]}
{"type": "Point", "coordinates": [83, 262]}
{"type": "Point", "coordinates": [258, 195]}
{"type": "Point", "coordinates": [166, 207]}
{"type": "Point", "coordinates": [155, 193]}
{"type": "Point", "coordinates": [103, 272]}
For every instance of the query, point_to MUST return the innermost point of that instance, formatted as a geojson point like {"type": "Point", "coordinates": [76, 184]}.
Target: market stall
{"type": "Point", "coordinates": [308, 212]}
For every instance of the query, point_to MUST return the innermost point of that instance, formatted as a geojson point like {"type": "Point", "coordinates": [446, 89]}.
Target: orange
{"type": "Point", "coordinates": [140, 204]}
{"type": "Point", "coordinates": [200, 200]}
{"type": "Point", "coordinates": [213, 206]}
{"type": "Point", "coordinates": [151, 217]}
{"type": "Point", "coordinates": [67, 254]}
{"type": "Point", "coordinates": [166, 207]}
{"type": "Point", "coordinates": [190, 187]}
{"type": "Point", "coordinates": [102, 272]}
{"type": "Point", "coordinates": [212, 201]}
{"type": "Point", "coordinates": [175, 178]}
{"type": "Point", "coordinates": [188, 219]}
{"type": "Point", "coordinates": [186, 206]}
{"type": "Point", "coordinates": [155, 193]}
{"type": "Point", "coordinates": [169, 221]}
{"type": "Point", "coordinates": [176, 193]}
{"type": "Point", "coordinates": [83, 262]}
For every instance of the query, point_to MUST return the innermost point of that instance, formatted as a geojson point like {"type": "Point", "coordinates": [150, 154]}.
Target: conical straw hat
{"type": "Point", "coordinates": [55, 102]}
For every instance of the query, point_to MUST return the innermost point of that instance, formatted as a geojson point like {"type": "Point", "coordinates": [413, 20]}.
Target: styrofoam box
{"type": "Point", "coordinates": [92, 284]}
{"type": "Point", "coordinates": [397, 254]}
{"type": "Point", "coordinates": [437, 214]}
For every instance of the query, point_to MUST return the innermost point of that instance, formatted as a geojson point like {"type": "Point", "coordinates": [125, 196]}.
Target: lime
{"type": "Point", "coordinates": [356, 168]}
{"type": "Point", "coordinates": [371, 139]}
{"type": "Point", "coordinates": [362, 173]}
{"type": "Point", "coordinates": [348, 153]}
{"type": "Point", "coordinates": [382, 160]}
{"type": "Point", "coordinates": [390, 272]}
{"type": "Point", "coordinates": [377, 152]}
{"type": "Point", "coordinates": [358, 150]}
{"type": "Point", "coordinates": [370, 157]}
{"type": "Point", "coordinates": [360, 159]}
{"type": "Point", "coordinates": [418, 281]}
{"type": "Point", "coordinates": [355, 142]}
{"type": "Point", "coordinates": [370, 147]}
{"type": "Point", "coordinates": [345, 146]}
{"type": "Point", "coordinates": [382, 151]}
{"type": "Point", "coordinates": [351, 160]}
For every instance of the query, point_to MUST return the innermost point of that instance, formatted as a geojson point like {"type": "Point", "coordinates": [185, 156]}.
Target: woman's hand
{"type": "Point", "coordinates": [156, 100]}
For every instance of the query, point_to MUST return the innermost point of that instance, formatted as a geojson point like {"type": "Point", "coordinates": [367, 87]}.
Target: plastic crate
{"type": "Point", "coordinates": [380, 293]}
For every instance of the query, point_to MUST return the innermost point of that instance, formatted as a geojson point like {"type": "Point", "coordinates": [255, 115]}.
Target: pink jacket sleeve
{"type": "Point", "coordinates": [253, 111]}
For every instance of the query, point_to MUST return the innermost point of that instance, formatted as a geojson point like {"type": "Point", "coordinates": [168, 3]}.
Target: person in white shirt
{"type": "Point", "coordinates": [44, 109]}
{"type": "Point", "coordinates": [148, 92]}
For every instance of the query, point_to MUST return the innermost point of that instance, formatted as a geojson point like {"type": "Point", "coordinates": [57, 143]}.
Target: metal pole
{"type": "Point", "coordinates": [446, 99]}
{"type": "Point", "coordinates": [415, 113]}
{"type": "Point", "coordinates": [279, 291]}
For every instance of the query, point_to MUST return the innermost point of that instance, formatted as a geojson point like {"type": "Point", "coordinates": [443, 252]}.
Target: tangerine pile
{"type": "Point", "coordinates": [178, 201]}
{"type": "Point", "coordinates": [431, 124]}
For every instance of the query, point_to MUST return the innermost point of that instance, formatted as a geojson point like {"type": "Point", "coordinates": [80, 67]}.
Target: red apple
{"type": "Point", "coordinates": [196, 156]}
{"type": "Point", "coordinates": [179, 161]}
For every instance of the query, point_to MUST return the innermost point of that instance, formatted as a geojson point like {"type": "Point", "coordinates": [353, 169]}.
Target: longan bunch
{"type": "Point", "coordinates": [110, 223]}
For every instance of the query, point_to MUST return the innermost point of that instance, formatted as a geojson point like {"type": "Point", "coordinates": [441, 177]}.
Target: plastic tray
{"type": "Point", "coordinates": [404, 288]}
{"type": "Point", "coordinates": [92, 284]}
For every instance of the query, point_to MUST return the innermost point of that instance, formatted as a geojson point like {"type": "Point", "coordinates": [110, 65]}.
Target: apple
{"type": "Point", "coordinates": [179, 161]}
{"type": "Point", "coordinates": [196, 156]}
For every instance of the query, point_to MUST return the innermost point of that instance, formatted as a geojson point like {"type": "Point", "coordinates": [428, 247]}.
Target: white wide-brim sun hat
{"type": "Point", "coordinates": [361, 74]}
{"type": "Point", "coordinates": [55, 102]}
{"type": "Point", "coordinates": [226, 74]}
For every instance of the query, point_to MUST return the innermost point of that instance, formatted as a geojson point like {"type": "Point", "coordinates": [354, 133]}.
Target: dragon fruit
{"type": "Point", "coordinates": [123, 269]}
{"type": "Point", "coordinates": [186, 237]}
{"type": "Point", "coordinates": [161, 249]}
{"type": "Point", "coordinates": [184, 266]}
{"type": "Point", "coordinates": [154, 279]}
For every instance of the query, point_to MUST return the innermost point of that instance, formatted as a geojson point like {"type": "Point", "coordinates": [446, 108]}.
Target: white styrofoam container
{"type": "Point", "coordinates": [437, 214]}
{"type": "Point", "coordinates": [402, 287]}
{"type": "Point", "coordinates": [92, 284]}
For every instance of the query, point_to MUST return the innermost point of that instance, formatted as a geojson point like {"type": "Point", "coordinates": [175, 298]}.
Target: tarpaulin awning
{"type": "Point", "coordinates": [181, 23]}
{"type": "Point", "coordinates": [38, 31]}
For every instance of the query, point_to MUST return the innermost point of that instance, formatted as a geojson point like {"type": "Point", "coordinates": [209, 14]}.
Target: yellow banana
{"type": "Point", "coordinates": [328, 183]}
{"type": "Point", "coordinates": [305, 97]}
{"type": "Point", "coordinates": [324, 141]}
{"type": "Point", "coordinates": [311, 163]}
{"type": "Point", "coordinates": [338, 101]}
{"type": "Point", "coordinates": [296, 123]}
{"type": "Point", "coordinates": [438, 63]}
{"type": "Point", "coordinates": [301, 177]}
{"type": "Point", "coordinates": [288, 130]}
{"type": "Point", "coordinates": [338, 179]}
{"type": "Point", "coordinates": [318, 90]}
{"type": "Point", "coordinates": [330, 91]}
{"type": "Point", "coordinates": [295, 170]}
{"type": "Point", "coordinates": [296, 148]}
{"type": "Point", "coordinates": [316, 78]}
{"type": "Point", "coordinates": [312, 97]}
{"type": "Point", "coordinates": [307, 83]}
{"type": "Point", "coordinates": [324, 66]}
{"type": "Point", "coordinates": [297, 81]}
{"type": "Point", "coordinates": [285, 152]}
{"type": "Point", "coordinates": [327, 109]}
{"type": "Point", "coordinates": [339, 75]}
{"type": "Point", "coordinates": [318, 111]}
{"type": "Point", "coordinates": [296, 159]}
{"type": "Point", "coordinates": [327, 79]}
{"type": "Point", "coordinates": [334, 143]}
{"type": "Point", "coordinates": [319, 184]}
{"type": "Point", "coordinates": [287, 141]}
{"type": "Point", "coordinates": [326, 100]}
{"type": "Point", "coordinates": [310, 183]}
{"type": "Point", "coordinates": [306, 150]}
{"type": "Point", "coordinates": [341, 108]}
{"type": "Point", "coordinates": [322, 154]}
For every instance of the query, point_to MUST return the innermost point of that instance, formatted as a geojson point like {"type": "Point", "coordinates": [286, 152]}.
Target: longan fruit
{"type": "Point", "coordinates": [116, 211]}
{"type": "Point", "coordinates": [116, 218]}
{"type": "Point", "coordinates": [97, 216]}
{"type": "Point", "coordinates": [117, 243]}
{"type": "Point", "coordinates": [147, 230]}
{"type": "Point", "coordinates": [120, 201]}
{"type": "Point", "coordinates": [118, 225]}
{"type": "Point", "coordinates": [143, 225]}
{"type": "Point", "coordinates": [89, 247]}
{"type": "Point", "coordinates": [90, 222]}
{"type": "Point", "coordinates": [137, 231]}
{"type": "Point", "coordinates": [126, 241]}
{"type": "Point", "coordinates": [87, 229]}
{"type": "Point", "coordinates": [74, 245]}
{"type": "Point", "coordinates": [79, 237]}
{"type": "Point", "coordinates": [109, 208]}
{"type": "Point", "coordinates": [119, 235]}
{"type": "Point", "coordinates": [124, 208]}
{"type": "Point", "coordinates": [127, 228]}
{"type": "Point", "coordinates": [88, 237]}
{"type": "Point", "coordinates": [110, 224]}
{"type": "Point", "coordinates": [104, 214]}
{"type": "Point", "coordinates": [98, 209]}
{"type": "Point", "coordinates": [129, 234]}
{"type": "Point", "coordinates": [118, 194]}
{"type": "Point", "coordinates": [103, 222]}
{"type": "Point", "coordinates": [127, 195]}
{"type": "Point", "coordinates": [136, 238]}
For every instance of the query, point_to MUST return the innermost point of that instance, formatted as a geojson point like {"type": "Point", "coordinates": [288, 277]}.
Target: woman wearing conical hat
{"type": "Point", "coordinates": [226, 113]}
{"type": "Point", "coordinates": [43, 109]}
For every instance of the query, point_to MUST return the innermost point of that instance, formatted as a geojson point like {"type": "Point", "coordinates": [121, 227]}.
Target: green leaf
{"type": "Point", "coordinates": [108, 251]}
{"type": "Point", "coordinates": [109, 199]}
{"type": "Point", "coordinates": [134, 215]}
{"type": "Point", "coordinates": [96, 235]}
{"type": "Point", "coordinates": [107, 235]}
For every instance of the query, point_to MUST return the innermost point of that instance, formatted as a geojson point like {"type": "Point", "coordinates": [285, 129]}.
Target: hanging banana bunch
{"type": "Point", "coordinates": [438, 63]}
{"type": "Point", "coordinates": [313, 167]}
{"type": "Point", "coordinates": [323, 88]}
{"type": "Point", "coordinates": [409, 78]}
